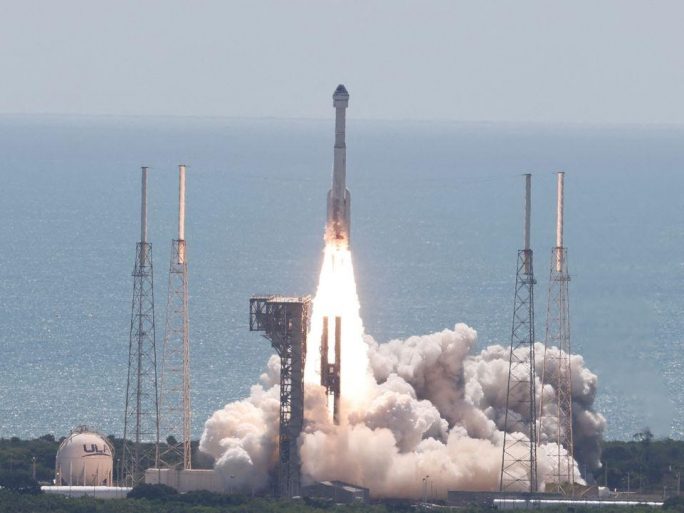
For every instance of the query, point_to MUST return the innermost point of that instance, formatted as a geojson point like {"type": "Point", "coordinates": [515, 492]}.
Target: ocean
{"type": "Point", "coordinates": [436, 225]}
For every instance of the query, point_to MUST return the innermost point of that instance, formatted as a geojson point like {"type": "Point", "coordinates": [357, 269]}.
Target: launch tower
{"type": "Point", "coordinates": [557, 365]}
{"type": "Point", "coordinates": [519, 460]}
{"type": "Point", "coordinates": [141, 417]}
{"type": "Point", "coordinates": [174, 392]}
{"type": "Point", "coordinates": [284, 321]}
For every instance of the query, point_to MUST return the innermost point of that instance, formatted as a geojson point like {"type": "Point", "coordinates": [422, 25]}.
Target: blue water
{"type": "Point", "coordinates": [436, 223]}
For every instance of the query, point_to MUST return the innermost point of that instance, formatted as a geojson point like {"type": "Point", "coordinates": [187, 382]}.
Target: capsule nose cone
{"type": "Point", "coordinates": [340, 96]}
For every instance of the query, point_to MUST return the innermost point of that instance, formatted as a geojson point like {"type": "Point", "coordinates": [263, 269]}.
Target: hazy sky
{"type": "Point", "coordinates": [482, 60]}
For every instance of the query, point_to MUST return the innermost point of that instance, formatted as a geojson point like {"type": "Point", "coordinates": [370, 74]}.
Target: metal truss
{"type": "Point", "coordinates": [519, 460]}
{"type": "Point", "coordinates": [141, 419]}
{"type": "Point", "coordinates": [284, 321]}
{"type": "Point", "coordinates": [557, 369]}
{"type": "Point", "coordinates": [174, 391]}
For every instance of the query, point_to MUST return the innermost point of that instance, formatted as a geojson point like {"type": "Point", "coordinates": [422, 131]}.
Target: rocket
{"type": "Point", "coordinates": [339, 199]}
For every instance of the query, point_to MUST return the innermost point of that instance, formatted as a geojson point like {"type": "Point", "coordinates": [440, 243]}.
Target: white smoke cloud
{"type": "Point", "coordinates": [435, 407]}
{"type": "Point", "coordinates": [242, 437]}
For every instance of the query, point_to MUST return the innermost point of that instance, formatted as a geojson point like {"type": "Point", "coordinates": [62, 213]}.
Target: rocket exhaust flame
{"type": "Point", "coordinates": [337, 355]}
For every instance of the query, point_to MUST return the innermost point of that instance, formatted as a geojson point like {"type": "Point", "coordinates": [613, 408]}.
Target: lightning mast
{"type": "Point", "coordinates": [519, 459]}
{"type": "Point", "coordinates": [174, 395]}
{"type": "Point", "coordinates": [557, 365]}
{"type": "Point", "coordinates": [141, 418]}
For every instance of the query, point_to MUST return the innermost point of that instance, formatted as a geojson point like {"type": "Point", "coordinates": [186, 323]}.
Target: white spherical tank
{"type": "Point", "coordinates": [84, 458]}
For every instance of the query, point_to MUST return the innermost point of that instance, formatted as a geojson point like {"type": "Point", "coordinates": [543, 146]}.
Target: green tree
{"type": "Point", "coordinates": [152, 491]}
{"type": "Point", "coordinates": [19, 482]}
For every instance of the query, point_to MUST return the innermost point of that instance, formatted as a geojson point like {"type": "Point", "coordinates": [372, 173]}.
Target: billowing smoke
{"type": "Point", "coordinates": [243, 436]}
{"type": "Point", "coordinates": [429, 405]}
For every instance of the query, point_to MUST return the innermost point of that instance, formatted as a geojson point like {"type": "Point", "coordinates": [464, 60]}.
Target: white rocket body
{"type": "Point", "coordinates": [339, 199]}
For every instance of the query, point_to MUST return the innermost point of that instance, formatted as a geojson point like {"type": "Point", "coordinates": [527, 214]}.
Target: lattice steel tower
{"type": "Point", "coordinates": [174, 390]}
{"type": "Point", "coordinates": [141, 418]}
{"type": "Point", "coordinates": [519, 459]}
{"type": "Point", "coordinates": [557, 365]}
{"type": "Point", "coordinates": [285, 322]}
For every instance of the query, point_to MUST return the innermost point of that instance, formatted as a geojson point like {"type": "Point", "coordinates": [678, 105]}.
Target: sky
{"type": "Point", "coordinates": [579, 61]}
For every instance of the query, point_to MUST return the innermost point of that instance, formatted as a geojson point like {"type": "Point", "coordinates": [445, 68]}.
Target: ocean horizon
{"type": "Point", "coordinates": [436, 225]}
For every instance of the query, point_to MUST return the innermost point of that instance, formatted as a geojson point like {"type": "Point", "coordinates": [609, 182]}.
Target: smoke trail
{"type": "Point", "coordinates": [426, 406]}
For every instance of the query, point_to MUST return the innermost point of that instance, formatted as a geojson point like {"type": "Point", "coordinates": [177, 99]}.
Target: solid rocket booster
{"type": "Point", "coordinates": [339, 199]}
{"type": "Point", "coordinates": [330, 370]}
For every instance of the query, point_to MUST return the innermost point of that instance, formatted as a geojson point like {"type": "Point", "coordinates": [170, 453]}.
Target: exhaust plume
{"type": "Point", "coordinates": [430, 405]}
